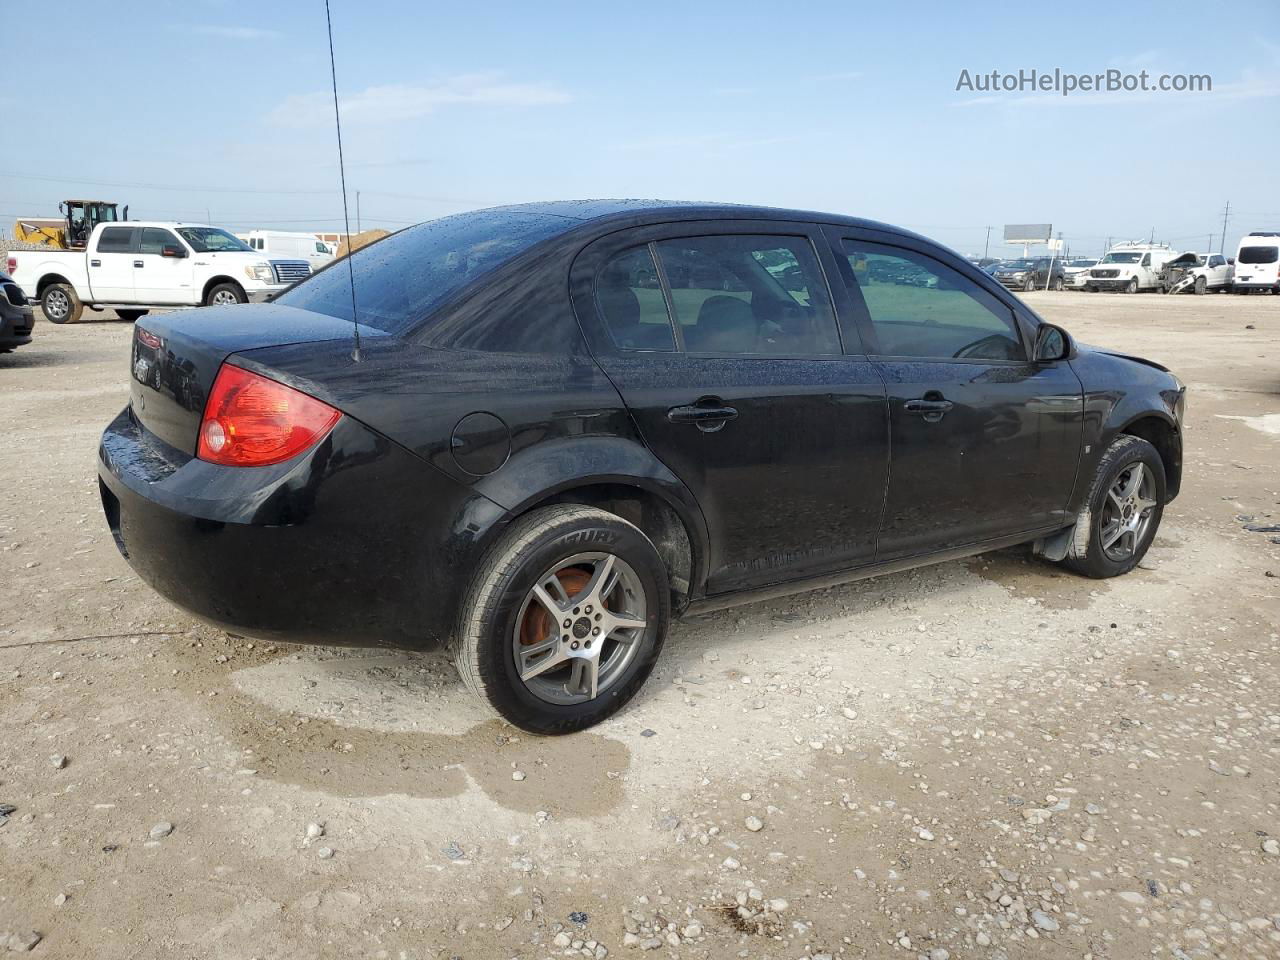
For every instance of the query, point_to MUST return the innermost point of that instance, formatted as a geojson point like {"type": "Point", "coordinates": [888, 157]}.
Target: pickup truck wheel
{"type": "Point", "coordinates": [130, 315]}
{"type": "Point", "coordinates": [1201, 286]}
{"type": "Point", "coordinates": [225, 293]}
{"type": "Point", "coordinates": [1090, 288]}
{"type": "Point", "coordinates": [564, 620]}
{"type": "Point", "coordinates": [60, 304]}
{"type": "Point", "coordinates": [1126, 502]}
{"type": "Point", "coordinates": [1059, 284]}
{"type": "Point", "coordinates": [1131, 286]}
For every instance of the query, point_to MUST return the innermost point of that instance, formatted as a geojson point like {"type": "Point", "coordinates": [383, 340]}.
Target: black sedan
{"type": "Point", "coordinates": [536, 433]}
{"type": "Point", "coordinates": [17, 319]}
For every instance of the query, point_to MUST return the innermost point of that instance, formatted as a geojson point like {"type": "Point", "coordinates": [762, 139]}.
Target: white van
{"type": "Point", "coordinates": [1130, 267]}
{"type": "Point", "coordinates": [295, 246]}
{"type": "Point", "coordinates": [1258, 262]}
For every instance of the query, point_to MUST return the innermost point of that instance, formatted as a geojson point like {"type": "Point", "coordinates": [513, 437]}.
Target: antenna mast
{"type": "Point", "coordinates": [342, 174]}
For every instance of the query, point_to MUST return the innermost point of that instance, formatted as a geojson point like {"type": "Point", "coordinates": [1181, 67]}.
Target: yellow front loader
{"type": "Point", "coordinates": [79, 217]}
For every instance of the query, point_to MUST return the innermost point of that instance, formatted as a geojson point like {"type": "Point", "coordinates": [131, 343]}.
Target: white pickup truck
{"type": "Point", "coordinates": [136, 265]}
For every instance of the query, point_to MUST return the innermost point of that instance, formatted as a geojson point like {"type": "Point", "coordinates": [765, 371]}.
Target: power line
{"type": "Point", "coordinates": [161, 186]}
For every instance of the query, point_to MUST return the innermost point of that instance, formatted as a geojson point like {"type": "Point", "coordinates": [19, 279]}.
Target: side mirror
{"type": "Point", "coordinates": [1052, 343]}
{"type": "Point", "coordinates": [1231, 261]}
{"type": "Point", "coordinates": [171, 251]}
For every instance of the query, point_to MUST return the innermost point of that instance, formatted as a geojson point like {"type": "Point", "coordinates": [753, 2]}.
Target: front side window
{"type": "Point", "coordinates": [630, 299]}
{"type": "Point", "coordinates": [212, 240]}
{"type": "Point", "coordinates": [1258, 255]}
{"type": "Point", "coordinates": [920, 307]}
{"type": "Point", "coordinates": [321, 248]}
{"type": "Point", "coordinates": [749, 295]}
{"type": "Point", "coordinates": [115, 240]}
{"type": "Point", "coordinates": [154, 240]}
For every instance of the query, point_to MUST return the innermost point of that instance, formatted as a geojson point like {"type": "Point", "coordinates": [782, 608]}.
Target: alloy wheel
{"type": "Point", "coordinates": [56, 305]}
{"type": "Point", "coordinates": [579, 628]}
{"type": "Point", "coordinates": [1127, 511]}
{"type": "Point", "coordinates": [224, 297]}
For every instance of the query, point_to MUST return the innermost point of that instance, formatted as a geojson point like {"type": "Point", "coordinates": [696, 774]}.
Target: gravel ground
{"type": "Point", "coordinates": [986, 759]}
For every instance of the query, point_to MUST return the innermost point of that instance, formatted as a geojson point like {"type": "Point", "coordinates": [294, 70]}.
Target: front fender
{"type": "Point", "coordinates": [1118, 392]}
{"type": "Point", "coordinates": [545, 470]}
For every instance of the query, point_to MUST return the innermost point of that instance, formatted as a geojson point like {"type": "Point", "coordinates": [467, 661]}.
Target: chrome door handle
{"type": "Point", "coordinates": [139, 263]}
{"type": "Point", "coordinates": [932, 410]}
{"type": "Point", "coordinates": [709, 414]}
{"type": "Point", "coordinates": [95, 263]}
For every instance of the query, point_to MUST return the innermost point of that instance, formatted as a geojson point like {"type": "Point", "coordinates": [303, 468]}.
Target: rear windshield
{"type": "Point", "coordinates": [398, 280]}
{"type": "Point", "coordinates": [1258, 255]}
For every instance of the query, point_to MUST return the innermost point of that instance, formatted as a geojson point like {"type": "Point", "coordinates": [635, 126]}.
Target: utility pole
{"type": "Point", "coordinates": [1225, 214]}
{"type": "Point", "coordinates": [208, 217]}
{"type": "Point", "coordinates": [357, 211]}
{"type": "Point", "coordinates": [986, 246]}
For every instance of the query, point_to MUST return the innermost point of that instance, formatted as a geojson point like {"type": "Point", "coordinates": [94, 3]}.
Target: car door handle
{"type": "Point", "coordinates": [139, 263]}
{"type": "Point", "coordinates": [709, 414]}
{"type": "Point", "coordinates": [95, 263]}
{"type": "Point", "coordinates": [932, 409]}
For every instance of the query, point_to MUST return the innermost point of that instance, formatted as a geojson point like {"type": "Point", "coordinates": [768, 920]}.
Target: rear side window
{"type": "Point", "coordinates": [630, 299]}
{"type": "Point", "coordinates": [400, 279]}
{"type": "Point", "coordinates": [155, 240]}
{"type": "Point", "coordinates": [749, 295]}
{"type": "Point", "coordinates": [115, 240]}
{"type": "Point", "coordinates": [1258, 255]}
{"type": "Point", "coordinates": [920, 307]}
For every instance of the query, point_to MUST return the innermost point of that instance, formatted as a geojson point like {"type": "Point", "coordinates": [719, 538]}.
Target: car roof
{"type": "Point", "coordinates": [605, 212]}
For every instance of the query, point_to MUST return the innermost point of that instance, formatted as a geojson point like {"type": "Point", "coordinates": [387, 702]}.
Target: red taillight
{"type": "Point", "coordinates": [148, 339]}
{"type": "Point", "coordinates": [13, 265]}
{"type": "Point", "coordinates": [253, 421]}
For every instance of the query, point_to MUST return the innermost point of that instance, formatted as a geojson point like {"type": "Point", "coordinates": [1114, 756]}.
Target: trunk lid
{"type": "Point", "coordinates": [176, 357]}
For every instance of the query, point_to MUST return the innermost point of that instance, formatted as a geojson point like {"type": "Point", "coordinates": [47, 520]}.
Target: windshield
{"type": "Point", "coordinates": [212, 240]}
{"type": "Point", "coordinates": [1082, 263]}
{"type": "Point", "coordinates": [399, 279]}
{"type": "Point", "coordinates": [1019, 265]}
{"type": "Point", "coordinates": [1122, 258]}
{"type": "Point", "coordinates": [1258, 255]}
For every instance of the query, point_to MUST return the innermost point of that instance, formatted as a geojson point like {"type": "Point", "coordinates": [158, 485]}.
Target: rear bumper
{"type": "Point", "coordinates": [355, 543]}
{"type": "Point", "coordinates": [16, 324]}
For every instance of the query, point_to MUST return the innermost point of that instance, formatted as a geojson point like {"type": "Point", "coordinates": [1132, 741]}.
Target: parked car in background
{"type": "Point", "coordinates": [1258, 263]}
{"type": "Point", "coordinates": [1075, 272]}
{"type": "Point", "coordinates": [290, 246]}
{"type": "Point", "coordinates": [135, 265]}
{"type": "Point", "coordinates": [1031, 273]}
{"type": "Point", "coordinates": [538, 455]}
{"type": "Point", "coordinates": [17, 319]}
{"type": "Point", "coordinates": [1195, 273]}
{"type": "Point", "coordinates": [1130, 267]}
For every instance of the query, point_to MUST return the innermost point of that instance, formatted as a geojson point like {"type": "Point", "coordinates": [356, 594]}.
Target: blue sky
{"type": "Point", "coordinates": [222, 106]}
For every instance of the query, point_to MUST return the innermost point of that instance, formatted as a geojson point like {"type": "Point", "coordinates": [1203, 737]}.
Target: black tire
{"type": "Point", "coordinates": [483, 645]}
{"type": "Point", "coordinates": [219, 293]}
{"type": "Point", "coordinates": [60, 304]}
{"type": "Point", "coordinates": [1029, 285]}
{"type": "Point", "coordinates": [131, 316]}
{"type": "Point", "coordinates": [1090, 288]}
{"type": "Point", "coordinates": [1059, 284]}
{"type": "Point", "coordinates": [1201, 285]}
{"type": "Point", "coordinates": [1131, 286]}
{"type": "Point", "coordinates": [1086, 554]}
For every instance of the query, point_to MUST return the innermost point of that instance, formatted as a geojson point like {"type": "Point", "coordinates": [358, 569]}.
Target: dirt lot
{"type": "Point", "coordinates": [988, 758]}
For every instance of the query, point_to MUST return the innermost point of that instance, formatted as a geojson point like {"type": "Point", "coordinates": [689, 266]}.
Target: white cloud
{"type": "Point", "coordinates": [231, 33]}
{"type": "Point", "coordinates": [397, 102]}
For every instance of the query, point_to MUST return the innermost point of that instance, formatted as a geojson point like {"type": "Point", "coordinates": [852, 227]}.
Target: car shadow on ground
{"type": "Point", "coordinates": [31, 355]}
